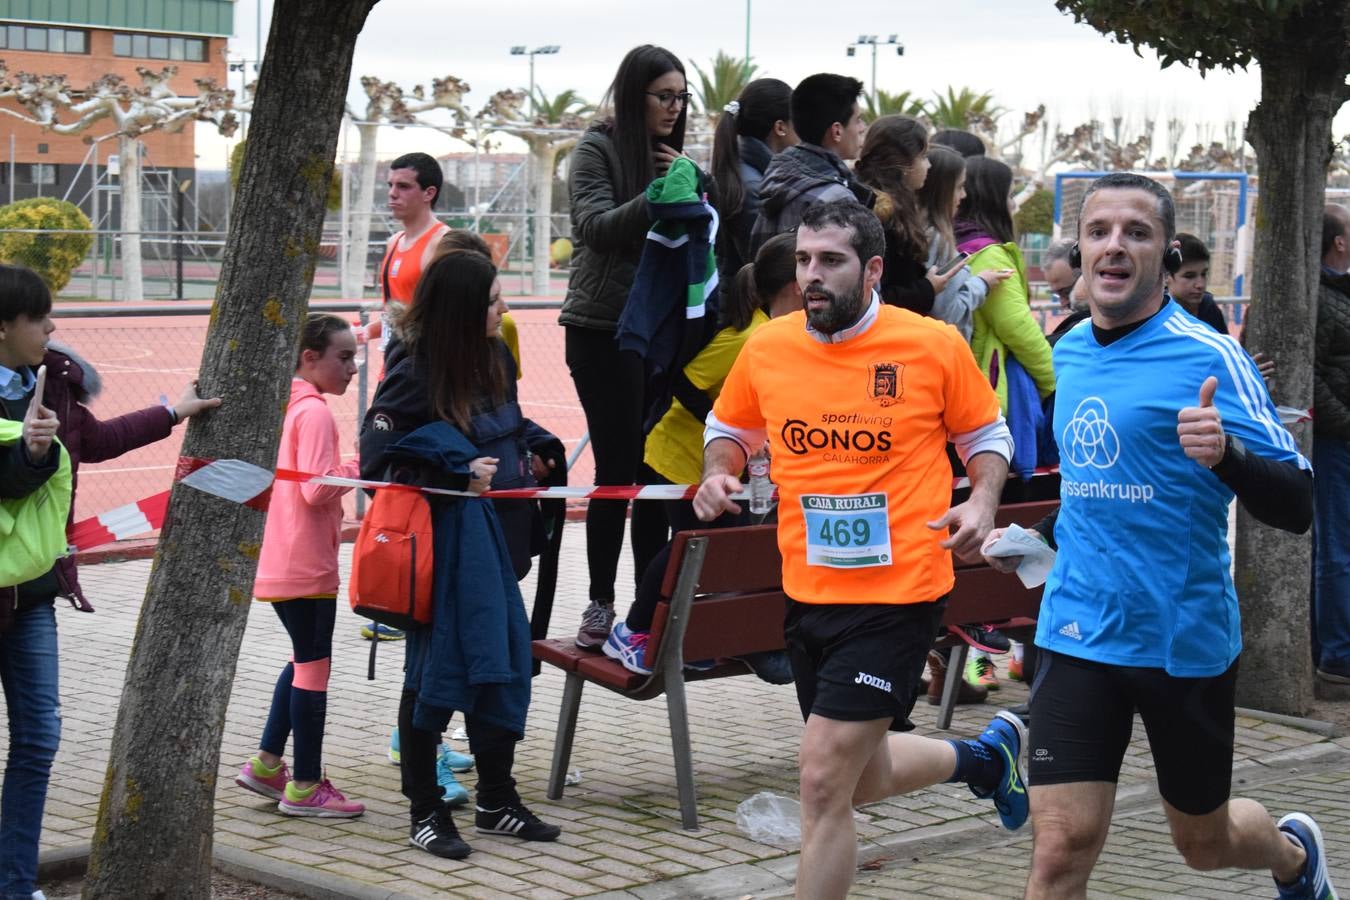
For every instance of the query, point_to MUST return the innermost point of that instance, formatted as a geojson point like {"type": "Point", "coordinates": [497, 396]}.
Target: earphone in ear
{"type": "Point", "coordinates": [1172, 260]}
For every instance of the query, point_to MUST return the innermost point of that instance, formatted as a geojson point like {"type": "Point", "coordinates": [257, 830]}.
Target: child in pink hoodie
{"type": "Point", "coordinates": [298, 575]}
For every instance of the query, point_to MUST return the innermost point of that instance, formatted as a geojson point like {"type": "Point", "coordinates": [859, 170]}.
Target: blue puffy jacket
{"type": "Point", "coordinates": [475, 655]}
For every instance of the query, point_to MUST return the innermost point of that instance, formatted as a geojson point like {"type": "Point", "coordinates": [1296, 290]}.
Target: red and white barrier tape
{"type": "Point", "coordinates": [251, 485]}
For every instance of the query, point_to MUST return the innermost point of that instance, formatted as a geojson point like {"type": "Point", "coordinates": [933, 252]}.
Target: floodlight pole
{"type": "Point", "coordinates": [547, 50]}
{"type": "Point", "coordinates": [871, 40]}
{"type": "Point", "coordinates": [746, 64]}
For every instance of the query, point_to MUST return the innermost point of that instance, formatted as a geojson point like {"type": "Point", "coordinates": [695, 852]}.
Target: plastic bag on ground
{"type": "Point", "coordinates": [770, 819]}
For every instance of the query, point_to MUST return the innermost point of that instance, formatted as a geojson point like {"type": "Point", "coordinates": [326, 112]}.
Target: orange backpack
{"type": "Point", "coordinates": [392, 560]}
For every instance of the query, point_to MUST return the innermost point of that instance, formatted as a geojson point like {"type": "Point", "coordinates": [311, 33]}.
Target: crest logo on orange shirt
{"type": "Point", "coordinates": [885, 382]}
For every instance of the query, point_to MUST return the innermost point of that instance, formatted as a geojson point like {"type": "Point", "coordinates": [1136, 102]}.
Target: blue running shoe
{"type": "Point", "coordinates": [371, 630]}
{"type": "Point", "coordinates": [1005, 737]}
{"type": "Point", "coordinates": [457, 762]}
{"type": "Point", "coordinates": [628, 647]}
{"type": "Point", "coordinates": [1314, 883]}
{"type": "Point", "coordinates": [455, 794]}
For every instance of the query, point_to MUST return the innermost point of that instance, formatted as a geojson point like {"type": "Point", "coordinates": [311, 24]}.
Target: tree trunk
{"type": "Point", "coordinates": [545, 161]}
{"type": "Point", "coordinates": [1302, 87]}
{"type": "Point", "coordinates": [154, 833]}
{"type": "Point", "coordinates": [129, 159]}
{"type": "Point", "coordinates": [358, 242]}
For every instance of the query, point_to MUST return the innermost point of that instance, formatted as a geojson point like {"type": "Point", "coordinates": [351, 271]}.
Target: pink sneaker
{"type": "Point", "coordinates": [323, 801]}
{"type": "Point", "coordinates": [253, 777]}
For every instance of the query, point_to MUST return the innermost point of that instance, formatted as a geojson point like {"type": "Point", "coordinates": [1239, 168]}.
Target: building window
{"type": "Point", "coordinates": [156, 46]}
{"type": "Point", "coordinates": [30, 38]}
{"type": "Point", "coordinates": [40, 173]}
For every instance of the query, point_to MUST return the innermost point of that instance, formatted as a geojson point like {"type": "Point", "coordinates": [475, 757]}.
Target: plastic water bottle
{"type": "Point", "coordinates": [761, 488]}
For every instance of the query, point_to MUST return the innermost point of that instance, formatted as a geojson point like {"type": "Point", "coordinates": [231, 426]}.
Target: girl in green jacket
{"type": "Point", "coordinates": [1004, 324]}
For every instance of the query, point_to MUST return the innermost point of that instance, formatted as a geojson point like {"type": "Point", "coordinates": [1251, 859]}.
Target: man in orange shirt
{"type": "Point", "coordinates": [415, 181]}
{"type": "Point", "coordinates": [858, 401]}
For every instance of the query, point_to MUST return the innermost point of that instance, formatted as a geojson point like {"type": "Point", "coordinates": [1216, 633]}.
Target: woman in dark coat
{"type": "Point", "coordinates": [610, 169]}
{"type": "Point", "coordinates": [452, 369]}
{"type": "Point", "coordinates": [754, 127]}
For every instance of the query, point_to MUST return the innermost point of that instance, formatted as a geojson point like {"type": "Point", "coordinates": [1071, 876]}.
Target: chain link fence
{"type": "Point", "coordinates": [145, 354]}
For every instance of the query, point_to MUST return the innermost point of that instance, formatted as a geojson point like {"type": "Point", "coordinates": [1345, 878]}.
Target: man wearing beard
{"type": "Point", "coordinates": [857, 402]}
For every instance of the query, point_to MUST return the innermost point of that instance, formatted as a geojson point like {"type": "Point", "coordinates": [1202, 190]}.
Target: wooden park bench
{"type": "Point", "coordinates": [735, 575]}
{"type": "Point", "coordinates": [983, 596]}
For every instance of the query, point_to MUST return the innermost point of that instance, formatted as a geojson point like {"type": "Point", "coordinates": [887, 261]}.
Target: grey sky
{"type": "Point", "coordinates": [1024, 51]}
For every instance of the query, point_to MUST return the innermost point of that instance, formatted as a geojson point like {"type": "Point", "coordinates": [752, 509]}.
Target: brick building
{"type": "Point", "coordinates": [85, 40]}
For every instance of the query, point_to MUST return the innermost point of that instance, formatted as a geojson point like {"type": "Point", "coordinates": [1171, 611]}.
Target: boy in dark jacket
{"type": "Point", "coordinates": [28, 653]}
{"type": "Point", "coordinates": [826, 117]}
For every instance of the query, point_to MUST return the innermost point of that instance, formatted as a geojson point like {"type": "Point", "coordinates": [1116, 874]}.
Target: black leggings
{"type": "Point", "coordinates": [610, 386]}
{"type": "Point", "coordinates": [682, 518]}
{"type": "Point", "coordinates": [493, 748]}
{"type": "Point", "coordinates": [300, 701]}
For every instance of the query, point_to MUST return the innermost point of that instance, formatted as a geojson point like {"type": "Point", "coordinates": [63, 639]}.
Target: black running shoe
{"type": "Point", "coordinates": [514, 820]}
{"type": "Point", "coordinates": [438, 835]}
{"type": "Point", "coordinates": [982, 637]}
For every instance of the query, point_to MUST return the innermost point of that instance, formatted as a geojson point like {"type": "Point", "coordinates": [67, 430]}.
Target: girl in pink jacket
{"type": "Point", "coordinates": [298, 575]}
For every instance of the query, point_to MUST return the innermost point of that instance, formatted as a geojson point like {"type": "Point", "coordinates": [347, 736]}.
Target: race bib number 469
{"type": "Point", "coordinates": [847, 532]}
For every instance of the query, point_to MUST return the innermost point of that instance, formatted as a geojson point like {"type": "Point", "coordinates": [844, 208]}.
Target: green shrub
{"type": "Point", "coordinates": [1037, 214]}
{"type": "Point", "coordinates": [52, 256]}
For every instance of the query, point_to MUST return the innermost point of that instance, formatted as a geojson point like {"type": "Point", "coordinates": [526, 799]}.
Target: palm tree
{"type": "Point", "coordinates": [903, 103]}
{"type": "Point", "coordinates": [960, 110]}
{"type": "Point", "coordinates": [563, 106]}
{"type": "Point", "coordinates": [552, 131]}
{"type": "Point", "coordinates": [726, 77]}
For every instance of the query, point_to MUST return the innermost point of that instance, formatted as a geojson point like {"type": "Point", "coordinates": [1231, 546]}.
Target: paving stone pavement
{"type": "Point", "coordinates": [621, 834]}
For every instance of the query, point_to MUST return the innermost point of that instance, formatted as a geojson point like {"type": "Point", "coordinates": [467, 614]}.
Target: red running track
{"type": "Point", "coordinates": [142, 358]}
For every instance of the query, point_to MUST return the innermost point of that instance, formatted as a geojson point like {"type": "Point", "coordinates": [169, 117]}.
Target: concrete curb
{"type": "Point", "coordinates": [72, 862]}
{"type": "Point", "coordinates": [1316, 726]}
{"type": "Point", "coordinates": [775, 877]}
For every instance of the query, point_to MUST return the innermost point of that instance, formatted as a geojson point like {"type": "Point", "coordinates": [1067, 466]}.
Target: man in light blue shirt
{"type": "Point", "coordinates": [1160, 423]}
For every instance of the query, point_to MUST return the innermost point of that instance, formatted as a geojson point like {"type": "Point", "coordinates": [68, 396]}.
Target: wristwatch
{"type": "Point", "coordinates": [1234, 456]}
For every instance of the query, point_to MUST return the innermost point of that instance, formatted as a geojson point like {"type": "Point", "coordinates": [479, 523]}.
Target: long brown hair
{"type": "Point", "coordinates": [761, 104]}
{"type": "Point", "coordinates": [627, 127]}
{"type": "Point", "coordinates": [446, 331]}
{"type": "Point", "coordinates": [894, 144]}
{"type": "Point", "coordinates": [935, 197]}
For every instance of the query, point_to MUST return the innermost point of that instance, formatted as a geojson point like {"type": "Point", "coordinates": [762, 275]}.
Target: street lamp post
{"type": "Point", "coordinates": [747, 39]}
{"type": "Point", "coordinates": [546, 50]}
{"type": "Point", "coordinates": [871, 40]}
{"type": "Point", "coordinates": [241, 66]}
{"type": "Point", "coordinates": [521, 50]}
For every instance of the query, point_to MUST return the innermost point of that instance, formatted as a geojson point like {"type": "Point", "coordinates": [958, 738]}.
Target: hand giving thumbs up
{"type": "Point", "coordinates": [1200, 428]}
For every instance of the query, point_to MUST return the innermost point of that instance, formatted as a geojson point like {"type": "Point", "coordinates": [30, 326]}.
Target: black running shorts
{"type": "Point", "coordinates": [860, 661]}
{"type": "Point", "coordinates": [1082, 714]}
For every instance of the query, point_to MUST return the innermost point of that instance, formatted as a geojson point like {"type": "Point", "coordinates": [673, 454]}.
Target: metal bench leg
{"type": "Point", "coordinates": [684, 758]}
{"type": "Point", "coordinates": [567, 729]}
{"type": "Point", "coordinates": [956, 671]}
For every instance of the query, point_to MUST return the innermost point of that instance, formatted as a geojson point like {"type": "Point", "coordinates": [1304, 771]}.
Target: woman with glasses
{"type": "Point", "coordinates": [609, 171]}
